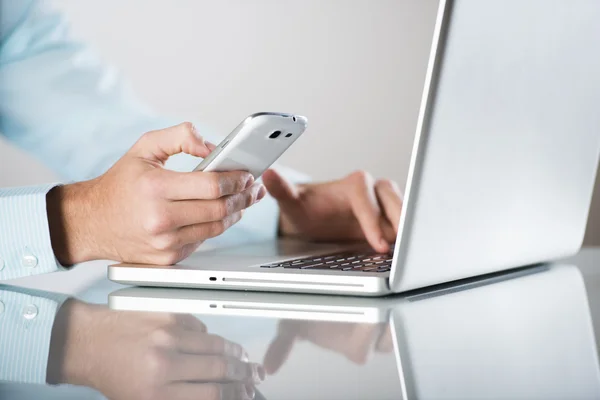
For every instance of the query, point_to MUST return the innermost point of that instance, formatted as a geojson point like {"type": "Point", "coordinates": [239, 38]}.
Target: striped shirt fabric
{"type": "Point", "coordinates": [26, 320]}
{"type": "Point", "coordinates": [25, 247]}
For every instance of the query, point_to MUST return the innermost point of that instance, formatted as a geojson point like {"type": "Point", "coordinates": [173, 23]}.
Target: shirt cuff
{"type": "Point", "coordinates": [25, 247]}
{"type": "Point", "coordinates": [26, 321]}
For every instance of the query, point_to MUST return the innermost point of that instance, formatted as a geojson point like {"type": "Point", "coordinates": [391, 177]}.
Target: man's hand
{"type": "Point", "coordinates": [140, 212]}
{"type": "Point", "coordinates": [146, 356]}
{"type": "Point", "coordinates": [353, 208]}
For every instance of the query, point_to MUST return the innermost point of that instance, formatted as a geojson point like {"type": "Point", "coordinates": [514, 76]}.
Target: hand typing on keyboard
{"type": "Point", "coordinates": [353, 208]}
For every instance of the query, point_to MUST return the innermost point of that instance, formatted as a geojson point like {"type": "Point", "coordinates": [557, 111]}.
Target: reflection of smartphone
{"type": "Point", "coordinates": [255, 144]}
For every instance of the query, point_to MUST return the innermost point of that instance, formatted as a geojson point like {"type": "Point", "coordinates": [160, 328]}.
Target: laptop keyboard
{"type": "Point", "coordinates": [346, 261]}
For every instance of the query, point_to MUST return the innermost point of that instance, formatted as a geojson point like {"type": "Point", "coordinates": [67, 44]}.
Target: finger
{"type": "Point", "coordinates": [390, 199]}
{"type": "Point", "coordinates": [279, 187]}
{"type": "Point", "coordinates": [192, 343]}
{"type": "Point", "coordinates": [385, 343]}
{"type": "Point", "coordinates": [350, 339]}
{"type": "Point", "coordinates": [211, 146]}
{"type": "Point", "coordinates": [208, 391]}
{"type": "Point", "coordinates": [359, 342]}
{"type": "Point", "coordinates": [200, 185]}
{"type": "Point", "coordinates": [190, 323]}
{"type": "Point", "coordinates": [190, 212]}
{"type": "Point", "coordinates": [389, 233]}
{"type": "Point", "coordinates": [200, 232]}
{"type": "Point", "coordinates": [366, 209]}
{"type": "Point", "coordinates": [159, 145]}
{"type": "Point", "coordinates": [213, 368]}
{"type": "Point", "coordinates": [280, 347]}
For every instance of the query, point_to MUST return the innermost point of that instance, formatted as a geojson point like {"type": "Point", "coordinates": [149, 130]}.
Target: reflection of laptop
{"type": "Point", "coordinates": [524, 335]}
{"type": "Point", "coordinates": [502, 170]}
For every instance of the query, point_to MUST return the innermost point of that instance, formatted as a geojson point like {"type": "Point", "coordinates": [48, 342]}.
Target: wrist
{"type": "Point", "coordinates": [69, 212]}
{"type": "Point", "coordinates": [68, 358]}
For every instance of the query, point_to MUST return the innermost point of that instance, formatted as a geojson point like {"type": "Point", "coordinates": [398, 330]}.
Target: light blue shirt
{"type": "Point", "coordinates": [26, 320]}
{"type": "Point", "coordinates": [76, 114]}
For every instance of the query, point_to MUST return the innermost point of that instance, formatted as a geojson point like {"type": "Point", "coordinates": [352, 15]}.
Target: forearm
{"type": "Point", "coordinates": [69, 357]}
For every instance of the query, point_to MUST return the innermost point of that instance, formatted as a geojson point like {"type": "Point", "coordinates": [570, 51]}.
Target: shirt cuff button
{"type": "Point", "coordinates": [30, 311]}
{"type": "Point", "coordinates": [29, 261]}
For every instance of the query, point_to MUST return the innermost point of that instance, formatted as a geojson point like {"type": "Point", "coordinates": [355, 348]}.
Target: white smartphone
{"type": "Point", "coordinates": [255, 144]}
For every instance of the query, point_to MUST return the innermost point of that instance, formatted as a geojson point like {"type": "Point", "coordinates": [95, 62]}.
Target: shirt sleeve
{"type": "Point", "coordinates": [25, 247]}
{"type": "Point", "coordinates": [75, 113]}
{"type": "Point", "coordinates": [26, 321]}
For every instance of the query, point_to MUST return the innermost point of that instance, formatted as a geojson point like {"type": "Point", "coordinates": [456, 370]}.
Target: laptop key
{"type": "Point", "coordinates": [322, 266]}
{"type": "Point", "coordinates": [311, 265]}
{"type": "Point", "coordinates": [364, 268]}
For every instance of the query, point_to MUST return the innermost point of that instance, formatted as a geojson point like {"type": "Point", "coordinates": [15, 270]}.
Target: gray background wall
{"type": "Point", "coordinates": [355, 68]}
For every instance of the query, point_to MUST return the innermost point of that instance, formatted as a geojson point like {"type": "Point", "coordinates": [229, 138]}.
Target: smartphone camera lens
{"type": "Point", "coordinates": [274, 135]}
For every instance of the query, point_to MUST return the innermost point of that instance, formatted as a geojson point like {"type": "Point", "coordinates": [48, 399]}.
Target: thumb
{"type": "Point", "coordinates": [161, 144]}
{"type": "Point", "coordinates": [278, 186]}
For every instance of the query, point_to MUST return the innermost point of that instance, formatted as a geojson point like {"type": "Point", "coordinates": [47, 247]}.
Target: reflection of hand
{"type": "Point", "coordinates": [132, 355]}
{"type": "Point", "coordinates": [352, 340]}
{"type": "Point", "coordinates": [353, 208]}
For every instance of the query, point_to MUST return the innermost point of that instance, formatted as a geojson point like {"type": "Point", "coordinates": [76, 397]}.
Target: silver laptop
{"type": "Point", "coordinates": [501, 174]}
{"type": "Point", "coordinates": [526, 335]}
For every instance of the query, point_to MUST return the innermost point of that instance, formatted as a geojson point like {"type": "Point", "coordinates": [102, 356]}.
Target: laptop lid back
{"type": "Point", "coordinates": [507, 143]}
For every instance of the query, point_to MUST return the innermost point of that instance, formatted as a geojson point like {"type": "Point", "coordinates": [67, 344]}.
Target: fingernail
{"type": "Point", "coordinates": [233, 370]}
{"type": "Point", "coordinates": [234, 349]}
{"type": "Point", "coordinates": [384, 244]}
{"type": "Point", "coordinates": [245, 357]}
{"type": "Point", "coordinates": [257, 377]}
{"type": "Point", "coordinates": [249, 182]}
{"type": "Point", "coordinates": [250, 391]}
{"type": "Point", "coordinates": [196, 133]}
{"type": "Point", "coordinates": [261, 372]}
{"type": "Point", "coordinates": [211, 146]}
{"type": "Point", "coordinates": [261, 193]}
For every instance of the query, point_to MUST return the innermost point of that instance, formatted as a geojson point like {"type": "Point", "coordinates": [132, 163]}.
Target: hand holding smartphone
{"type": "Point", "coordinates": [255, 144]}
